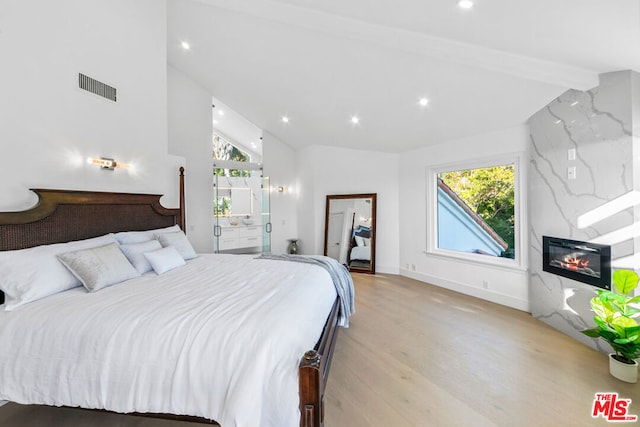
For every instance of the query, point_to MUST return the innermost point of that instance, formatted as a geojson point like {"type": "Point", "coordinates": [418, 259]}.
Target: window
{"type": "Point", "coordinates": [476, 211]}
{"type": "Point", "coordinates": [236, 198]}
{"type": "Point", "coordinates": [223, 150]}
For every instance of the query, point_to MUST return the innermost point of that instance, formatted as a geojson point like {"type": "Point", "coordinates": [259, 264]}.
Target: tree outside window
{"type": "Point", "coordinates": [476, 210]}
{"type": "Point", "coordinates": [223, 150]}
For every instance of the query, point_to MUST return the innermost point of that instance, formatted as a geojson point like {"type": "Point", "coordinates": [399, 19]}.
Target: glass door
{"type": "Point", "coordinates": [266, 215]}
{"type": "Point", "coordinates": [217, 214]}
{"type": "Point", "coordinates": [241, 208]}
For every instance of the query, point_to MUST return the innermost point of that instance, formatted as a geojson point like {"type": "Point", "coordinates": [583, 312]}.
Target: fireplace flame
{"type": "Point", "coordinates": [574, 263]}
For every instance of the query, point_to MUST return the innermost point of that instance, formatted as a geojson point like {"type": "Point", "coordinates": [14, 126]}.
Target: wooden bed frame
{"type": "Point", "coordinates": [62, 216]}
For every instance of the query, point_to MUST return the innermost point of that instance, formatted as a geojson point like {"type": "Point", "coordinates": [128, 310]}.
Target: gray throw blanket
{"type": "Point", "coordinates": [339, 275]}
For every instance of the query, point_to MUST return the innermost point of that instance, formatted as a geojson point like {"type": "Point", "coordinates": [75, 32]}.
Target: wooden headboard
{"type": "Point", "coordinates": [63, 216]}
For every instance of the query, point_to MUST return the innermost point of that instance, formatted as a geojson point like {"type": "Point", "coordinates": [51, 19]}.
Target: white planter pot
{"type": "Point", "coordinates": [623, 371]}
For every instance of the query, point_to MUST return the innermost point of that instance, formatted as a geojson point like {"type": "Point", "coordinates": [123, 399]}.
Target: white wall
{"type": "Point", "coordinates": [330, 170]}
{"type": "Point", "coordinates": [48, 126]}
{"type": "Point", "coordinates": [279, 164]}
{"type": "Point", "coordinates": [190, 133]}
{"type": "Point", "coordinates": [508, 286]}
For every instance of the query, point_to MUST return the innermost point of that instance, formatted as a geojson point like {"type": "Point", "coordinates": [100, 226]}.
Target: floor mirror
{"type": "Point", "coordinates": [350, 231]}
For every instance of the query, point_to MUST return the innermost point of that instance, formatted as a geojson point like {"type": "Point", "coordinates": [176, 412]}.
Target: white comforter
{"type": "Point", "coordinates": [362, 253]}
{"type": "Point", "coordinates": [220, 338]}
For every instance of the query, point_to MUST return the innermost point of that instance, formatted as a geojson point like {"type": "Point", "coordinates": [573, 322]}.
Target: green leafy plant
{"type": "Point", "coordinates": [616, 314]}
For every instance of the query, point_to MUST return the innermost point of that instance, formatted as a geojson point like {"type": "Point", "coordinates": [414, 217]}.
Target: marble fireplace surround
{"type": "Point", "coordinates": [602, 125]}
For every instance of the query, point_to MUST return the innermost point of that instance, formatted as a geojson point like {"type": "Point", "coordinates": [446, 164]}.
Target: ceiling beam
{"type": "Point", "coordinates": [433, 47]}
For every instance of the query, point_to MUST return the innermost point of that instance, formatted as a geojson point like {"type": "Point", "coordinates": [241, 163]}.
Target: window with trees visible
{"type": "Point", "coordinates": [226, 152]}
{"type": "Point", "coordinates": [476, 210]}
{"type": "Point", "coordinates": [223, 150]}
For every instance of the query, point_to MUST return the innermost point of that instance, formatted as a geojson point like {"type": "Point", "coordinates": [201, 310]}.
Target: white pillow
{"type": "Point", "coordinates": [359, 241]}
{"type": "Point", "coordinates": [165, 259]}
{"type": "Point", "coordinates": [28, 275]}
{"type": "Point", "coordinates": [129, 237]}
{"type": "Point", "coordinates": [135, 254]}
{"type": "Point", "coordinates": [179, 241]}
{"type": "Point", "coordinates": [367, 241]}
{"type": "Point", "coordinates": [99, 267]}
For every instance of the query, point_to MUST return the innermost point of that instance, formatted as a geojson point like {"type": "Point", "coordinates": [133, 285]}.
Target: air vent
{"type": "Point", "coordinates": [96, 87]}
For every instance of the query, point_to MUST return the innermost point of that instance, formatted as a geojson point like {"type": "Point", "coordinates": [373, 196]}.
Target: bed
{"type": "Point", "coordinates": [360, 244]}
{"type": "Point", "coordinates": [158, 358]}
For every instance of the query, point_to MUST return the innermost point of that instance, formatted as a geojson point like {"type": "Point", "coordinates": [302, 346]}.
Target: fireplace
{"type": "Point", "coordinates": [582, 261]}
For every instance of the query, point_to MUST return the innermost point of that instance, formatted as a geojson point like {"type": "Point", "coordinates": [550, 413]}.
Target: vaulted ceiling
{"type": "Point", "coordinates": [322, 62]}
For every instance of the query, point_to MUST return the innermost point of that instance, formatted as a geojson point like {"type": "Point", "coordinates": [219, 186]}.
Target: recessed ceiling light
{"type": "Point", "coordinates": [574, 103]}
{"type": "Point", "coordinates": [254, 145]}
{"type": "Point", "coordinates": [423, 102]}
{"type": "Point", "coordinates": [465, 4]}
{"type": "Point", "coordinates": [285, 119]}
{"type": "Point", "coordinates": [215, 122]}
{"type": "Point", "coordinates": [221, 112]}
{"type": "Point", "coordinates": [185, 45]}
{"type": "Point", "coordinates": [355, 120]}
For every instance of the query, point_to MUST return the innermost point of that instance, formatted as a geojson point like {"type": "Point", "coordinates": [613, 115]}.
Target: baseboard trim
{"type": "Point", "coordinates": [385, 269]}
{"type": "Point", "coordinates": [498, 298]}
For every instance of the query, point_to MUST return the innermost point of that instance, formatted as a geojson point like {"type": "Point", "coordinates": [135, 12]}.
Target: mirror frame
{"type": "Point", "coordinates": [373, 197]}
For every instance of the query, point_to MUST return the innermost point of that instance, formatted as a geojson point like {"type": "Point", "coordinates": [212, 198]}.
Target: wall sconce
{"type": "Point", "coordinates": [106, 163]}
{"type": "Point", "coordinates": [282, 189]}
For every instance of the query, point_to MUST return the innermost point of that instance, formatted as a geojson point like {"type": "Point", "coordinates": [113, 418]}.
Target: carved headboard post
{"type": "Point", "coordinates": [182, 220]}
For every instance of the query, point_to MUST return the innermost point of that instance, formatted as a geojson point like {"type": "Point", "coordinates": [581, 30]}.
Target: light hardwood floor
{"type": "Point", "coordinates": [419, 355]}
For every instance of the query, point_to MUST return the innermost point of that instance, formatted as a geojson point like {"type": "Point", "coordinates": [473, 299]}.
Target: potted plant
{"type": "Point", "coordinates": [616, 323]}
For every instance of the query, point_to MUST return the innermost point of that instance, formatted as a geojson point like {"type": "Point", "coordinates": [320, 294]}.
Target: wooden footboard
{"type": "Point", "coordinates": [314, 371]}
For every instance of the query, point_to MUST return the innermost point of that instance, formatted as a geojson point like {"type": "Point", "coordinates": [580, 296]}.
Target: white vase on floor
{"type": "Point", "coordinates": [623, 371]}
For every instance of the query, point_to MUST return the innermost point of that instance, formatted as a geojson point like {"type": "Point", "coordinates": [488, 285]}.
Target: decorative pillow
{"type": "Point", "coordinates": [359, 241]}
{"type": "Point", "coordinates": [129, 237]}
{"type": "Point", "coordinates": [99, 267]}
{"type": "Point", "coordinates": [28, 275]}
{"type": "Point", "coordinates": [135, 254]}
{"type": "Point", "coordinates": [165, 259]}
{"type": "Point", "coordinates": [179, 241]}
